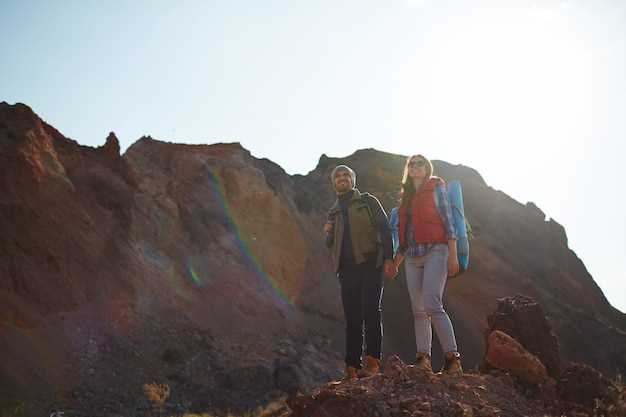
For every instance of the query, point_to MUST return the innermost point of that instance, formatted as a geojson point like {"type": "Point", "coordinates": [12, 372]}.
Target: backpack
{"type": "Point", "coordinates": [463, 228]}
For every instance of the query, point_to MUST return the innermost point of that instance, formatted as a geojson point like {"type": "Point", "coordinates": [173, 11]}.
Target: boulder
{"type": "Point", "coordinates": [506, 354]}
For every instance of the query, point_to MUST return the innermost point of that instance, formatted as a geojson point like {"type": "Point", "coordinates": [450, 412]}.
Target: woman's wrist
{"type": "Point", "coordinates": [452, 247]}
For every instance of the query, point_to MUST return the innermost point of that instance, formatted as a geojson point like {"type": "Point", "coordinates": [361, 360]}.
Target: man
{"type": "Point", "coordinates": [358, 234]}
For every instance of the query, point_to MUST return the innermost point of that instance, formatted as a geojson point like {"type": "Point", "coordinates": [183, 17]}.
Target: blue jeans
{"type": "Point", "coordinates": [426, 279]}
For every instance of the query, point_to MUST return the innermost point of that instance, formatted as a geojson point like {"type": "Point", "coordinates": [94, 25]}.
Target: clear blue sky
{"type": "Point", "coordinates": [530, 93]}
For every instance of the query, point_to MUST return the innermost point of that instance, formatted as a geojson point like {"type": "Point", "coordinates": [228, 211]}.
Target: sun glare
{"type": "Point", "coordinates": [509, 82]}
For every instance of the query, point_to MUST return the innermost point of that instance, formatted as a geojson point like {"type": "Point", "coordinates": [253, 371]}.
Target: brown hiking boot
{"type": "Point", "coordinates": [452, 364]}
{"type": "Point", "coordinates": [349, 375]}
{"type": "Point", "coordinates": [423, 363]}
{"type": "Point", "coordinates": [371, 368]}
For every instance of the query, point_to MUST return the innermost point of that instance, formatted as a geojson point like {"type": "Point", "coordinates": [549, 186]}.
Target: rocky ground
{"type": "Point", "coordinates": [402, 391]}
{"type": "Point", "coordinates": [522, 376]}
{"type": "Point", "coordinates": [204, 374]}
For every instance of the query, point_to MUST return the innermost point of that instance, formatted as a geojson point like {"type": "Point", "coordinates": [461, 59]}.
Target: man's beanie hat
{"type": "Point", "coordinates": [343, 168]}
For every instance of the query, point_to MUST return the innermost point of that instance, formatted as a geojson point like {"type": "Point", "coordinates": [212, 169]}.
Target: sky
{"type": "Point", "coordinates": [532, 94]}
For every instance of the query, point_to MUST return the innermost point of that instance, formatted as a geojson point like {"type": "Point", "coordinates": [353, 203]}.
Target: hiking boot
{"type": "Point", "coordinates": [371, 368]}
{"type": "Point", "coordinates": [423, 363]}
{"type": "Point", "coordinates": [350, 374]}
{"type": "Point", "coordinates": [452, 364]}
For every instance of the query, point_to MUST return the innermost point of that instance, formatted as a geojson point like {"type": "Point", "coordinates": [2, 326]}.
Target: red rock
{"type": "Point", "coordinates": [505, 353]}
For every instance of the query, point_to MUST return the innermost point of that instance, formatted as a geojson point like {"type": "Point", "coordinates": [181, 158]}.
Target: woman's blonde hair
{"type": "Point", "coordinates": [408, 190]}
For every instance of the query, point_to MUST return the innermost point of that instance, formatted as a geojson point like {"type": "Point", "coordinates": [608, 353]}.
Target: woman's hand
{"type": "Point", "coordinates": [453, 266]}
{"type": "Point", "coordinates": [397, 259]}
{"type": "Point", "coordinates": [392, 266]}
{"type": "Point", "coordinates": [453, 260]}
{"type": "Point", "coordinates": [328, 227]}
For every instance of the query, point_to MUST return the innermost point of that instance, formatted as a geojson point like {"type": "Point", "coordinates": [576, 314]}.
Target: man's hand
{"type": "Point", "coordinates": [390, 268]}
{"type": "Point", "coordinates": [329, 227]}
{"type": "Point", "coordinates": [453, 266]}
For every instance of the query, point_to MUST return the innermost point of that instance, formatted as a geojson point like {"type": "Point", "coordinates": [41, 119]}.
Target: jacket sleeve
{"type": "Point", "coordinates": [383, 226]}
{"type": "Point", "coordinates": [330, 237]}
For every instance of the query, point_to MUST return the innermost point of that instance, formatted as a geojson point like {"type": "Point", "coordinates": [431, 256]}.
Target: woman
{"type": "Point", "coordinates": [427, 240]}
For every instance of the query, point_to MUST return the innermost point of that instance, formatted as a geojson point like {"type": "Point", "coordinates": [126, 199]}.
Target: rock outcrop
{"type": "Point", "coordinates": [506, 354]}
{"type": "Point", "coordinates": [524, 320]}
{"type": "Point", "coordinates": [189, 266]}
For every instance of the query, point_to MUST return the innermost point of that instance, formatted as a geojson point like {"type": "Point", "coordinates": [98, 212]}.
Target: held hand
{"type": "Point", "coordinates": [397, 260]}
{"type": "Point", "coordinates": [453, 266]}
{"type": "Point", "coordinates": [328, 227]}
{"type": "Point", "coordinates": [391, 270]}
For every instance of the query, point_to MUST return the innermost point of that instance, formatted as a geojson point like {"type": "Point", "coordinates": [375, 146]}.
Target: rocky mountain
{"type": "Point", "coordinates": [203, 268]}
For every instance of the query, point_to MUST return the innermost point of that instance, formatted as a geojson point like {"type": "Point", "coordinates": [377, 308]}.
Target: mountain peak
{"type": "Point", "coordinates": [111, 147]}
{"type": "Point", "coordinates": [17, 114]}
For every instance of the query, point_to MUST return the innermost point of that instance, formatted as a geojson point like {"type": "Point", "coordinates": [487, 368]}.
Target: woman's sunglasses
{"type": "Point", "coordinates": [417, 163]}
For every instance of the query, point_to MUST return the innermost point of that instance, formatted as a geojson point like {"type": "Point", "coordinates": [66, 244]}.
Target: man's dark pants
{"type": "Point", "coordinates": [361, 295]}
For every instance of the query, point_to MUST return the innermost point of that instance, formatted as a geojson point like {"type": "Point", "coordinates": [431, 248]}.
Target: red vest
{"type": "Point", "coordinates": [427, 224]}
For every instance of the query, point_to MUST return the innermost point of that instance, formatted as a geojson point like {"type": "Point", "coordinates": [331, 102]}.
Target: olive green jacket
{"type": "Point", "coordinates": [369, 230]}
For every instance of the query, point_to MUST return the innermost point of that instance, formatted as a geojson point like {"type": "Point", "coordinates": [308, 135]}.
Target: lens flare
{"type": "Point", "coordinates": [193, 275]}
{"type": "Point", "coordinates": [251, 261]}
